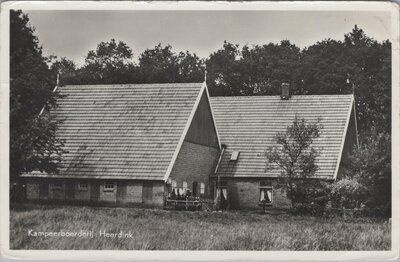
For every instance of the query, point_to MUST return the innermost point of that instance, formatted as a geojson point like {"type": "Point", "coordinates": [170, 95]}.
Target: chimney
{"type": "Point", "coordinates": [285, 91]}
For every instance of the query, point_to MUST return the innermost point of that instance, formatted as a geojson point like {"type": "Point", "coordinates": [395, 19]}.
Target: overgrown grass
{"type": "Point", "coordinates": [178, 230]}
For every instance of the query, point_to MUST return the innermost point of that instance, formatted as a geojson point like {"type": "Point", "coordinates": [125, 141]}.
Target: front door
{"type": "Point", "coordinates": [69, 190]}
{"type": "Point", "coordinates": [147, 193]}
{"type": "Point", "coordinates": [44, 189]}
{"type": "Point", "coordinates": [121, 193]}
{"type": "Point", "coordinates": [195, 189]}
{"type": "Point", "coordinates": [95, 191]}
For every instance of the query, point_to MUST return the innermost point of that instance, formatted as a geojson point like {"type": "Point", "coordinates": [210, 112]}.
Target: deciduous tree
{"type": "Point", "coordinates": [257, 70]}
{"type": "Point", "coordinates": [371, 167]}
{"type": "Point", "coordinates": [110, 63]}
{"type": "Point", "coordinates": [161, 65]}
{"type": "Point", "coordinates": [33, 144]}
{"type": "Point", "coordinates": [295, 157]}
{"type": "Point", "coordinates": [67, 70]}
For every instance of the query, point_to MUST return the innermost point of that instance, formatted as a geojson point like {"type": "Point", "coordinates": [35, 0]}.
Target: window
{"type": "Point", "coordinates": [109, 187]}
{"type": "Point", "coordinates": [57, 185]}
{"type": "Point", "coordinates": [202, 188]}
{"type": "Point", "coordinates": [147, 192]}
{"type": "Point", "coordinates": [265, 193]}
{"type": "Point", "coordinates": [222, 193]}
{"type": "Point", "coordinates": [174, 187]}
{"type": "Point", "coordinates": [235, 155]}
{"type": "Point", "coordinates": [184, 186]}
{"type": "Point", "coordinates": [83, 186]}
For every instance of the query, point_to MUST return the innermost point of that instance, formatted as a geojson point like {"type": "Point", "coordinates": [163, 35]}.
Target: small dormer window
{"type": "Point", "coordinates": [235, 156]}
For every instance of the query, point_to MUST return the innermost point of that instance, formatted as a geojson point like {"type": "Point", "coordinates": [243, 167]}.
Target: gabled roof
{"type": "Point", "coordinates": [124, 131]}
{"type": "Point", "coordinates": [249, 123]}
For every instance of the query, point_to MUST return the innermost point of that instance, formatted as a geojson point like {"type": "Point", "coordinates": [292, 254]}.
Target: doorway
{"type": "Point", "coordinates": [195, 190]}
{"type": "Point", "coordinates": [147, 193]}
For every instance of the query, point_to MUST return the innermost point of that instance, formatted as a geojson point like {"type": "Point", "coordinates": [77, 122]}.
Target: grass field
{"type": "Point", "coordinates": [178, 230]}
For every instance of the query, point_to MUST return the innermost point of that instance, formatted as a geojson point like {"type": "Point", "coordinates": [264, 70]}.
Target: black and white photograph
{"type": "Point", "coordinates": [241, 128]}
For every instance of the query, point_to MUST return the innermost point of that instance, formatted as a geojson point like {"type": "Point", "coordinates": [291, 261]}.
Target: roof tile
{"type": "Point", "coordinates": [249, 123]}
{"type": "Point", "coordinates": [122, 131]}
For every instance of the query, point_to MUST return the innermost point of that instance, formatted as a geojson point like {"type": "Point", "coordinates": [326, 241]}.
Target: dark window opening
{"type": "Point", "coordinates": [221, 195]}
{"type": "Point", "coordinates": [194, 189]}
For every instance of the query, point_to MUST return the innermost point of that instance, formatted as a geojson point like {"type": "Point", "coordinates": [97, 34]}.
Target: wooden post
{"type": "Point", "coordinates": [218, 199]}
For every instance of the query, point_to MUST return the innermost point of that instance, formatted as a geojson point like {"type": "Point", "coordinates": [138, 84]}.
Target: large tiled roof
{"type": "Point", "coordinates": [122, 131]}
{"type": "Point", "coordinates": [249, 124]}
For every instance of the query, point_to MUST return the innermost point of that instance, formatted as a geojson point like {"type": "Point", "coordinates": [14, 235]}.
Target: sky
{"type": "Point", "coordinates": [72, 34]}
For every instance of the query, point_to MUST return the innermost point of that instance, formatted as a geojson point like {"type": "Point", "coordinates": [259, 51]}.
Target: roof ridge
{"type": "Point", "coordinates": [138, 84]}
{"type": "Point", "coordinates": [264, 96]}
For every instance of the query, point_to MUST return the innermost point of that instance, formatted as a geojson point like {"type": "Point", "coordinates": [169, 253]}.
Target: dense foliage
{"type": "Point", "coordinates": [33, 144]}
{"type": "Point", "coordinates": [358, 64]}
{"type": "Point", "coordinates": [371, 168]}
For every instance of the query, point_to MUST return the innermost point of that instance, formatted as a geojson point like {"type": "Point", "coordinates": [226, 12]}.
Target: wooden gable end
{"type": "Point", "coordinates": [350, 142]}
{"type": "Point", "coordinates": [202, 129]}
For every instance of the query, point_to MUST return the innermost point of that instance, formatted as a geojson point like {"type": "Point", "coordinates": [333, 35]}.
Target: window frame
{"type": "Point", "coordinates": [80, 188]}
{"type": "Point", "coordinates": [235, 156]}
{"type": "Point", "coordinates": [220, 186]}
{"type": "Point", "coordinates": [264, 185]}
{"type": "Point", "coordinates": [57, 185]}
{"type": "Point", "coordinates": [106, 187]}
{"type": "Point", "coordinates": [202, 190]}
{"type": "Point", "coordinates": [174, 184]}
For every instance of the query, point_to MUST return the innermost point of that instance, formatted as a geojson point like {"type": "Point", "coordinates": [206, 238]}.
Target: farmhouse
{"type": "Point", "coordinates": [247, 126]}
{"type": "Point", "coordinates": [131, 144]}
{"type": "Point", "coordinates": [146, 144]}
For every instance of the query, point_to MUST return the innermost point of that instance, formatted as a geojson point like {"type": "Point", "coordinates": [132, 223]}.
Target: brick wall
{"type": "Point", "coordinates": [56, 193]}
{"type": "Point", "coordinates": [245, 194]}
{"type": "Point", "coordinates": [158, 193]}
{"type": "Point", "coordinates": [194, 164]}
{"type": "Point", "coordinates": [133, 193]}
{"type": "Point", "coordinates": [32, 190]}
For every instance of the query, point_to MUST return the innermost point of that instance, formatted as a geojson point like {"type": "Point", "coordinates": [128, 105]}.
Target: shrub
{"type": "Point", "coordinates": [312, 209]}
{"type": "Point", "coordinates": [348, 193]}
